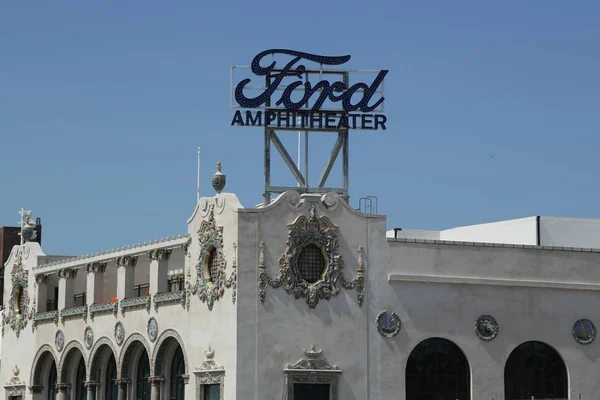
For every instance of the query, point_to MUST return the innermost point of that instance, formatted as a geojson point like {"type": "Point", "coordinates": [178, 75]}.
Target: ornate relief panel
{"type": "Point", "coordinates": [210, 278]}
{"type": "Point", "coordinates": [18, 307]}
{"type": "Point", "coordinates": [311, 266]}
{"type": "Point", "coordinates": [15, 387]}
{"type": "Point", "coordinates": [312, 370]}
{"type": "Point", "coordinates": [209, 373]}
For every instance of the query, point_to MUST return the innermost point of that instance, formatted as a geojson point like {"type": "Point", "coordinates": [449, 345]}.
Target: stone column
{"type": "Point", "coordinates": [42, 292]}
{"type": "Point", "coordinates": [91, 390]}
{"type": "Point", "coordinates": [159, 262]}
{"type": "Point", "coordinates": [155, 382]}
{"type": "Point", "coordinates": [66, 283]}
{"type": "Point", "coordinates": [122, 393]}
{"type": "Point", "coordinates": [94, 282]}
{"type": "Point", "coordinates": [62, 391]}
{"type": "Point", "coordinates": [125, 276]}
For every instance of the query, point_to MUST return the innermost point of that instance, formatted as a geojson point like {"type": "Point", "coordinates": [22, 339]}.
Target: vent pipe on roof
{"type": "Point", "coordinates": [537, 231]}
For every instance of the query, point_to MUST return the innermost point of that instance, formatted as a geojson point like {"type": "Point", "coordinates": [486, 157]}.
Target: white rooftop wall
{"type": "Point", "coordinates": [570, 232]}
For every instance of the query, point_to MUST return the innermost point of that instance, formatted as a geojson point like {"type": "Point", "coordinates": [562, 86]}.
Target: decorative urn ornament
{"type": "Point", "coordinates": [219, 179]}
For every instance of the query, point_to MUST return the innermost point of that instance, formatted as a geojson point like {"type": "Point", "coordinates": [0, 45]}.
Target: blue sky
{"type": "Point", "coordinates": [103, 104]}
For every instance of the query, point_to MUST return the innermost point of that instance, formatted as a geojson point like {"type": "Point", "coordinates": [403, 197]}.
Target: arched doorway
{"type": "Point", "coordinates": [437, 370]}
{"type": "Point", "coordinates": [535, 370]}
{"type": "Point", "coordinates": [143, 387]}
{"type": "Point", "coordinates": [80, 389]}
{"type": "Point", "coordinates": [170, 362]}
{"type": "Point", "coordinates": [111, 391]}
{"type": "Point", "coordinates": [177, 384]}
{"type": "Point", "coordinates": [51, 383]}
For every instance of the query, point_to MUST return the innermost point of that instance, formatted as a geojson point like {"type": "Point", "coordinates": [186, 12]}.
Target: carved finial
{"type": "Point", "coordinates": [16, 370]}
{"type": "Point", "coordinates": [210, 353]}
{"type": "Point", "coordinates": [218, 179]}
{"type": "Point", "coordinates": [313, 352]}
{"type": "Point", "coordinates": [361, 262]}
{"type": "Point", "coordinates": [313, 213]}
{"type": "Point", "coordinates": [261, 260]}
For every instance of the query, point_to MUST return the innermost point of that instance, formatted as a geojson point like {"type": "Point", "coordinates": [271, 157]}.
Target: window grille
{"type": "Point", "coordinates": [311, 263]}
{"type": "Point", "coordinates": [176, 283]}
{"type": "Point", "coordinates": [213, 265]}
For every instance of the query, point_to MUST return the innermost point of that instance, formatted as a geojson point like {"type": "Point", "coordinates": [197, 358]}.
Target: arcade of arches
{"type": "Point", "coordinates": [436, 369]}
{"type": "Point", "coordinates": [68, 378]}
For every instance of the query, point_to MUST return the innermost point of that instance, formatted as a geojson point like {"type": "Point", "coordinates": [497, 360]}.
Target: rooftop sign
{"type": "Point", "coordinates": [296, 97]}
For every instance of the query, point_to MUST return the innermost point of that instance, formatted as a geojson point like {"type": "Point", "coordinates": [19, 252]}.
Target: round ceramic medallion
{"type": "Point", "coordinates": [584, 331]}
{"type": "Point", "coordinates": [119, 333]}
{"type": "Point", "coordinates": [152, 329]}
{"type": "Point", "coordinates": [59, 340]}
{"type": "Point", "coordinates": [486, 327]}
{"type": "Point", "coordinates": [388, 323]}
{"type": "Point", "coordinates": [88, 337]}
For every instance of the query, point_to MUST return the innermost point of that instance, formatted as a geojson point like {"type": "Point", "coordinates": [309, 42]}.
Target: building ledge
{"type": "Point", "coordinates": [461, 280]}
{"type": "Point", "coordinates": [499, 245]}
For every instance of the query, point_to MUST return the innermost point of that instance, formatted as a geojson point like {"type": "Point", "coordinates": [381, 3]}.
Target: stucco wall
{"type": "Point", "coordinates": [275, 334]}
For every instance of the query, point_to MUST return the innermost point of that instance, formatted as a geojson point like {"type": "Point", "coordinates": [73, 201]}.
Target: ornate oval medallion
{"type": "Point", "coordinates": [59, 340]}
{"type": "Point", "coordinates": [152, 329]}
{"type": "Point", "coordinates": [388, 323]}
{"type": "Point", "coordinates": [584, 331]}
{"type": "Point", "coordinates": [88, 337]}
{"type": "Point", "coordinates": [119, 333]}
{"type": "Point", "coordinates": [486, 327]}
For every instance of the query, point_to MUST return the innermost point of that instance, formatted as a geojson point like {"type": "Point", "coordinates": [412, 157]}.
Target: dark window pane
{"type": "Point", "coordinates": [80, 389]}
{"type": "Point", "coordinates": [213, 265]}
{"type": "Point", "coordinates": [535, 369]}
{"type": "Point", "coordinates": [110, 388]}
{"type": "Point", "coordinates": [311, 263]}
{"type": "Point", "coordinates": [177, 372]}
{"type": "Point", "coordinates": [437, 369]}
{"type": "Point", "coordinates": [212, 392]}
{"type": "Point", "coordinates": [306, 391]}
{"type": "Point", "coordinates": [52, 383]}
{"type": "Point", "coordinates": [143, 389]}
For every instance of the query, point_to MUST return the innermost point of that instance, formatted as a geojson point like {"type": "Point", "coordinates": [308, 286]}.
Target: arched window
{"type": "Point", "coordinates": [52, 383]}
{"type": "Point", "coordinates": [143, 391]}
{"type": "Point", "coordinates": [535, 370]}
{"type": "Point", "coordinates": [80, 389]}
{"type": "Point", "coordinates": [177, 373]}
{"type": "Point", "coordinates": [110, 387]}
{"type": "Point", "coordinates": [437, 369]}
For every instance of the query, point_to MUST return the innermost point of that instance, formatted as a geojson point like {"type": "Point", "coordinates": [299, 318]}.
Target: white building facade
{"type": "Point", "coordinates": [307, 298]}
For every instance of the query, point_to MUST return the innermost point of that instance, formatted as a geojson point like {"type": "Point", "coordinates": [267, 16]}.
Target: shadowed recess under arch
{"type": "Point", "coordinates": [437, 369]}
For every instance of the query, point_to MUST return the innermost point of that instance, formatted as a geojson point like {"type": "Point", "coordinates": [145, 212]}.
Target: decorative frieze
{"type": "Point", "coordinates": [101, 308]}
{"type": "Point", "coordinates": [43, 317]}
{"type": "Point", "coordinates": [73, 312]}
{"type": "Point", "coordinates": [169, 298]}
{"type": "Point", "coordinates": [318, 232]}
{"type": "Point", "coordinates": [135, 302]}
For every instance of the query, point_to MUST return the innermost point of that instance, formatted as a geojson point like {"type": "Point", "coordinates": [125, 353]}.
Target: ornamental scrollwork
{"type": "Point", "coordinates": [321, 233]}
{"type": "Point", "coordinates": [209, 373]}
{"type": "Point", "coordinates": [312, 369]}
{"type": "Point", "coordinates": [15, 387]}
{"type": "Point", "coordinates": [208, 287]}
{"type": "Point", "coordinates": [18, 310]}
